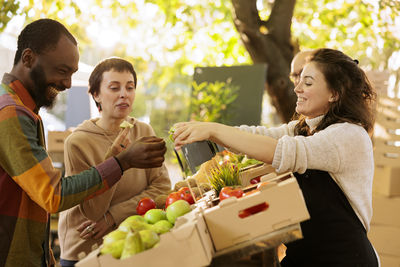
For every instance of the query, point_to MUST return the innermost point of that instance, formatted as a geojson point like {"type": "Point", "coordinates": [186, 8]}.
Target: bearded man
{"type": "Point", "coordinates": [30, 187]}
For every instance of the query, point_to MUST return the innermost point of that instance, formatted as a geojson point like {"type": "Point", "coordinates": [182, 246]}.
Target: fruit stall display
{"type": "Point", "coordinates": [188, 225]}
{"type": "Point", "coordinates": [187, 243]}
{"type": "Point", "coordinates": [192, 234]}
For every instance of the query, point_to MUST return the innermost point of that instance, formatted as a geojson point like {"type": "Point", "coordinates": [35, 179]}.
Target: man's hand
{"type": "Point", "coordinates": [146, 152]}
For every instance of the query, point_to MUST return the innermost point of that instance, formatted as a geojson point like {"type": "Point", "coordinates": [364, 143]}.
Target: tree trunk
{"type": "Point", "coordinates": [270, 42]}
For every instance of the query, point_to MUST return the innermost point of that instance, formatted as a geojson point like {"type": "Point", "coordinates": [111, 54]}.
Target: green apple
{"type": "Point", "coordinates": [154, 215]}
{"type": "Point", "coordinates": [114, 248]}
{"type": "Point", "coordinates": [149, 238]}
{"type": "Point", "coordinates": [176, 209]}
{"type": "Point", "coordinates": [114, 236]}
{"type": "Point", "coordinates": [162, 226]}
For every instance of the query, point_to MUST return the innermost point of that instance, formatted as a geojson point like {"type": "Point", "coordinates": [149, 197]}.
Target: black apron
{"type": "Point", "coordinates": [334, 236]}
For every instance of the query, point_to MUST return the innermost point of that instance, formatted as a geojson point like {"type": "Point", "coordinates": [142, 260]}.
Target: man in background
{"type": "Point", "coordinates": [297, 65]}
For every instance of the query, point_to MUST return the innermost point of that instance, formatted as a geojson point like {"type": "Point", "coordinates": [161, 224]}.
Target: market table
{"type": "Point", "coordinates": [265, 246]}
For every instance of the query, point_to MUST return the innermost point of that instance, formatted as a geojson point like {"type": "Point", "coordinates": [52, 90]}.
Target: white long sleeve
{"type": "Point", "coordinates": [344, 150]}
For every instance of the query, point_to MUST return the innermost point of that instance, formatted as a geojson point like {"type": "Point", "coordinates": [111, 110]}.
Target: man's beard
{"type": "Point", "coordinates": [43, 93]}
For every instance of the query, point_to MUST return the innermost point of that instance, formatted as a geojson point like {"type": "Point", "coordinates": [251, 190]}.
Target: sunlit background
{"type": "Point", "coordinates": [166, 40]}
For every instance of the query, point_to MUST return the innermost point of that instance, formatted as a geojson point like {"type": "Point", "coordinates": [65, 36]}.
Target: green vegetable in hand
{"type": "Point", "coordinates": [171, 133]}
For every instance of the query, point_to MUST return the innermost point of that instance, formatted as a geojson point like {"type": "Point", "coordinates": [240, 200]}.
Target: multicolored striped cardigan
{"type": "Point", "coordinates": [30, 187]}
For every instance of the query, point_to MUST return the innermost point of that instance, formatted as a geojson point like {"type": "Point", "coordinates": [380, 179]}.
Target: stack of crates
{"type": "Point", "coordinates": [385, 224]}
{"type": "Point", "coordinates": [55, 147]}
{"type": "Point", "coordinates": [387, 147]}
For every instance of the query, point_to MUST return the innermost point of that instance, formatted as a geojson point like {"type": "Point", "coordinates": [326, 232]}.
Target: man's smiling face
{"type": "Point", "coordinates": [52, 72]}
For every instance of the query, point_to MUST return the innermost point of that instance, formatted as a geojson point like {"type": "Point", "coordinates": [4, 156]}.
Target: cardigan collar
{"type": "Point", "coordinates": [312, 123]}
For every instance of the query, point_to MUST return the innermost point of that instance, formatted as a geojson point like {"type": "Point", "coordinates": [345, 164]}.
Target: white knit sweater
{"type": "Point", "coordinates": [344, 150]}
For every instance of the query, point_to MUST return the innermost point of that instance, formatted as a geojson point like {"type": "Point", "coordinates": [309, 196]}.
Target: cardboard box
{"type": "Point", "coordinates": [385, 101]}
{"type": "Point", "coordinates": [385, 239]}
{"type": "Point", "coordinates": [388, 119]}
{"type": "Point", "coordinates": [387, 179]}
{"type": "Point", "coordinates": [387, 158]}
{"type": "Point", "coordinates": [56, 156]}
{"type": "Point", "coordinates": [382, 145]}
{"type": "Point", "coordinates": [187, 244]}
{"type": "Point", "coordinates": [55, 140]}
{"type": "Point", "coordinates": [389, 261]}
{"type": "Point", "coordinates": [286, 207]}
{"type": "Point", "coordinates": [249, 173]}
{"type": "Point", "coordinates": [386, 210]}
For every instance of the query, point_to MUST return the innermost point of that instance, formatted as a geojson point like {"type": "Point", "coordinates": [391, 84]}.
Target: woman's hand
{"type": "Point", "coordinates": [120, 143]}
{"type": "Point", "coordinates": [190, 132]}
{"type": "Point", "coordinates": [95, 230]}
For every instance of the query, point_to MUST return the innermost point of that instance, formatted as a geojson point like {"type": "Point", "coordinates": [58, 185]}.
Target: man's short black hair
{"type": "Point", "coordinates": [40, 35]}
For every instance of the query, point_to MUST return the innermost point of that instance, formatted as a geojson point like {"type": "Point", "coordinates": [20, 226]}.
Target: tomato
{"type": "Point", "coordinates": [244, 214]}
{"type": "Point", "coordinates": [253, 210]}
{"type": "Point", "coordinates": [186, 195]}
{"type": "Point", "coordinates": [255, 180]}
{"type": "Point", "coordinates": [229, 191]}
{"type": "Point", "coordinates": [172, 197]}
{"type": "Point", "coordinates": [258, 208]}
{"type": "Point", "coordinates": [144, 205]}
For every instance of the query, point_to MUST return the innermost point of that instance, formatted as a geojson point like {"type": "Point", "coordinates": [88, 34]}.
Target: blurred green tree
{"type": "Point", "coordinates": [166, 40]}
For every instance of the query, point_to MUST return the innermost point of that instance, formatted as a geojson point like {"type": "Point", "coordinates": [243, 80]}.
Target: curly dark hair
{"type": "Point", "coordinates": [41, 35]}
{"type": "Point", "coordinates": [346, 80]}
{"type": "Point", "coordinates": [113, 63]}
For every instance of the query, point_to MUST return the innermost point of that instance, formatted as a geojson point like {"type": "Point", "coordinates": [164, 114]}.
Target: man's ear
{"type": "Point", "coordinates": [28, 57]}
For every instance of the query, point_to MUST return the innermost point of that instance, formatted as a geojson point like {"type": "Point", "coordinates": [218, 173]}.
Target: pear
{"type": "Point", "coordinates": [114, 236]}
{"type": "Point", "coordinates": [126, 124]}
{"type": "Point", "coordinates": [134, 225]}
{"type": "Point", "coordinates": [149, 238]}
{"type": "Point", "coordinates": [133, 245]}
{"type": "Point", "coordinates": [115, 248]}
{"type": "Point", "coordinates": [162, 227]}
{"type": "Point", "coordinates": [135, 218]}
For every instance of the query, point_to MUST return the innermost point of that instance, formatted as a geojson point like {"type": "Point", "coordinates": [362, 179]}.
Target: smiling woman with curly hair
{"type": "Point", "coordinates": [329, 150]}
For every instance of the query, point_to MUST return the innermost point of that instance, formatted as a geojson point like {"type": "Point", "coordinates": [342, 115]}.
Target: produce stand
{"type": "Point", "coordinates": [214, 234]}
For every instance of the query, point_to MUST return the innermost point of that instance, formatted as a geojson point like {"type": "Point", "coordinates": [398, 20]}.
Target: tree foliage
{"type": "Point", "coordinates": [8, 9]}
{"type": "Point", "coordinates": [213, 102]}
{"type": "Point", "coordinates": [166, 40]}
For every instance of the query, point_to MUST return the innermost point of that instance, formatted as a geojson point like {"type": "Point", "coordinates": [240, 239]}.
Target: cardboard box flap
{"type": "Point", "coordinates": [183, 231]}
